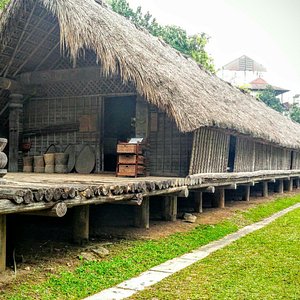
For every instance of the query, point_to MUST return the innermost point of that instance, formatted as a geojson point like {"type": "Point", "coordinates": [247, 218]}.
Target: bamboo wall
{"type": "Point", "coordinates": [169, 150]}
{"type": "Point", "coordinates": [296, 160]}
{"type": "Point", "coordinates": [244, 155]}
{"type": "Point", "coordinates": [210, 151]}
{"type": "Point", "coordinates": [62, 121]}
{"type": "Point", "coordinates": [254, 156]}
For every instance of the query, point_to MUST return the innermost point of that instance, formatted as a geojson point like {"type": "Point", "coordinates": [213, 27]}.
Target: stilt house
{"type": "Point", "coordinates": [74, 72]}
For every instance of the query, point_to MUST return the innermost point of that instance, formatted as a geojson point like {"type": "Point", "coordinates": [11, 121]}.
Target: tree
{"type": "Point", "coordinates": [268, 96]}
{"type": "Point", "coordinates": [3, 3]}
{"type": "Point", "coordinates": [295, 113]}
{"type": "Point", "coordinates": [177, 37]}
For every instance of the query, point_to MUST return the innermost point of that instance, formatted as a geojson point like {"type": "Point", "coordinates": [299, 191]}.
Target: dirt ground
{"type": "Point", "coordinates": [36, 259]}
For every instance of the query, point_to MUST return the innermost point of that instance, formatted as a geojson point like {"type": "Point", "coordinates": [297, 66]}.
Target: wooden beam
{"type": "Point", "coordinates": [36, 48]}
{"type": "Point", "coordinates": [184, 193]}
{"type": "Point", "coordinates": [16, 87]}
{"type": "Point", "coordinates": [198, 202]}
{"type": "Point", "coordinates": [81, 216]}
{"type": "Point", "coordinates": [142, 214]}
{"type": "Point", "coordinates": [66, 75]}
{"type": "Point", "coordinates": [170, 208]}
{"type": "Point", "coordinates": [24, 31]}
{"type": "Point", "coordinates": [246, 193]}
{"type": "Point", "coordinates": [2, 243]}
{"type": "Point", "coordinates": [47, 56]}
{"type": "Point", "coordinates": [230, 187]}
{"type": "Point", "coordinates": [58, 211]}
{"type": "Point", "coordinates": [210, 189]}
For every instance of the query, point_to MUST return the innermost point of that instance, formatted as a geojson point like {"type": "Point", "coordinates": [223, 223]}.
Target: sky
{"type": "Point", "coordinates": [265, 30]}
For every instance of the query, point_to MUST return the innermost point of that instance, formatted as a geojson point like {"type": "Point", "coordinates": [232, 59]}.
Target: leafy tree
{"type": "Point", "coordinates": [3, 3]}
{"type": "Point", "coordinates": [295, 113]}
{"type": "Point", "coordinates": [193, 46]}
{"type": "Point", "coordinates": [268, 96]}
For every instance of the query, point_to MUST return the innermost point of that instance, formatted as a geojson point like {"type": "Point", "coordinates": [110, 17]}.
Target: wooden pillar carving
{"type": "Point", "coordinates": [170, 208]}
{"type": "Point", "coordinates": [142, 214]}
{"type": "Point", "coordinates": [81, 217]}
{"type": "Point", "coordinates": [198, 202]}
{"type": "Point", "coordinates": [15, 130]}
{"type": "Point", "coordinates": [2, 243]}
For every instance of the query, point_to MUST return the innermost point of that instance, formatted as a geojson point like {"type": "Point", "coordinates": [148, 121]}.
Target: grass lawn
{"type": "Point", "coordinates": [134, 257]}
{"type": "Point", "coordinates": [262, 265]}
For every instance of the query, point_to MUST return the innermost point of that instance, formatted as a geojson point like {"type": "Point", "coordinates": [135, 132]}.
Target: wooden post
{"type": "Point", "coordinates": [81, 224]}
{"type": "Point", "coordinates": [279, 186]}
{"type": "Point", "coordinates": [219, 198]}
{"type": "Point", "coordinates": [170, 208]}
{"type": "Point", "coordinates": [265, 191]}
{"type": "Point", "coordinates": [198, 202]}
{"type": "Point", "coordinates": [15, 129]}
{"type": "Point", "coordinates": [246, 194]}
{"type": "Point", "coordinates": [297, 183]}
{"type": "Point", "coordinates": [142, 213]}
{"type": "Point", "coordinates": [290, 185]}
{"type": "Point", "coordinates": [2, 242]}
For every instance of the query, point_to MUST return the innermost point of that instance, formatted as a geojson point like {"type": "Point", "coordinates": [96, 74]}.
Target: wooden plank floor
{"type": "Point", "coordinates": [74, 178]}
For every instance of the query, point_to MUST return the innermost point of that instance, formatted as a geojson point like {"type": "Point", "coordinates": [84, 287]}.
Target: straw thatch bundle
{"type": "Point", "coordinates": [177, 85]}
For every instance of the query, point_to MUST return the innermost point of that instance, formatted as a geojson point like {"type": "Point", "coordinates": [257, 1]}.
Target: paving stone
{"type": "Point", "coordinates": [112, 294]}
{"type": "Point", "coordinates": [144, 280]}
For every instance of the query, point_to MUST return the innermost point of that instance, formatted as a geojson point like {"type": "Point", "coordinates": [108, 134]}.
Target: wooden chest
{"type": "Point", "coordinates": [130, 170]}
{"type": "Point", "coordinates": [128, 159]}
{"type": "Point", "coordinates": [129, 148]}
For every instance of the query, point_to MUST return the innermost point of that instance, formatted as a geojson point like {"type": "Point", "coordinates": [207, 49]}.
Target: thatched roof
{"type": "Point", "coordinates": [177, 85]}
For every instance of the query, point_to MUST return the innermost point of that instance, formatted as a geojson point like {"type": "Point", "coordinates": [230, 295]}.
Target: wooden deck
{"type": "Point", "coordinates": [77, 189]}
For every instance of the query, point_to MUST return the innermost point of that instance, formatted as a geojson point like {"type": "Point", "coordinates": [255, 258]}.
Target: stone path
{"type": "Point", "coordinates": [158, 273]}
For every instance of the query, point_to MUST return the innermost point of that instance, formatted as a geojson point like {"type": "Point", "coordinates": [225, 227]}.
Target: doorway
{"type": "Point", "coordinates": [119, 125]}
{"type": "Point", "coordinates": [231, 155]}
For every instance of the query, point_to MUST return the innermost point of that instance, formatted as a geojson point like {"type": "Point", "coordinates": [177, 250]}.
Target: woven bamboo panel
{"type": "Point", "coordinates": [244, 155]}
{"type": "Point", "coordinates": [104, 86]}
{"type": "Point", "coordinates": [296, 160]}
{"type": "Point", "coordinates": [61, 112]}
{"type": "Point", "coordinates": [210, 151]}
{"type": "Point", "coordinates": [170, 150]}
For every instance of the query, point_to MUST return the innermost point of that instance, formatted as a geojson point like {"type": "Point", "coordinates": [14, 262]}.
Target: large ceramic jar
{"type": "Point", "coordinates": [3, 157]}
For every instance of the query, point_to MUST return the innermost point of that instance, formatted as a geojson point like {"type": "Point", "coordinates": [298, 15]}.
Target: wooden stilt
{"type": "Point", "coordinates": [170, 208]}
{"type": "Point", "coordinates": [219, 198]}
{"type": "Point", "coordinates": [297, 182]}
{"type": "Point", "coordinates": [246, 193]}
{"type": "Point", "coordinates": [279, 186]}
{"type": "Point", "coordinates": [141, 219]}
{"type": "Point", "coordinates": [290, 185]}
{"type": "Point", "coordinates": [2, 242]}
{"type": "Point", "coordinates": [198, 202]}
{"type": "Point", "coordinates": [265, 190]}
{"type": "Point", "coordinates": [81, 224]}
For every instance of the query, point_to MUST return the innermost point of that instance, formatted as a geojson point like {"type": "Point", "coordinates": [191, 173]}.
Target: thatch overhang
{"type": "Point", "coordinates": [67, 30]}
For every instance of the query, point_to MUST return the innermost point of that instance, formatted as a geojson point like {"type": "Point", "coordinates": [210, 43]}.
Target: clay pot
{"type": "Point", "coordinates": [3, 143]}
{"type": "Point", "coordinates": [3, 160]}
